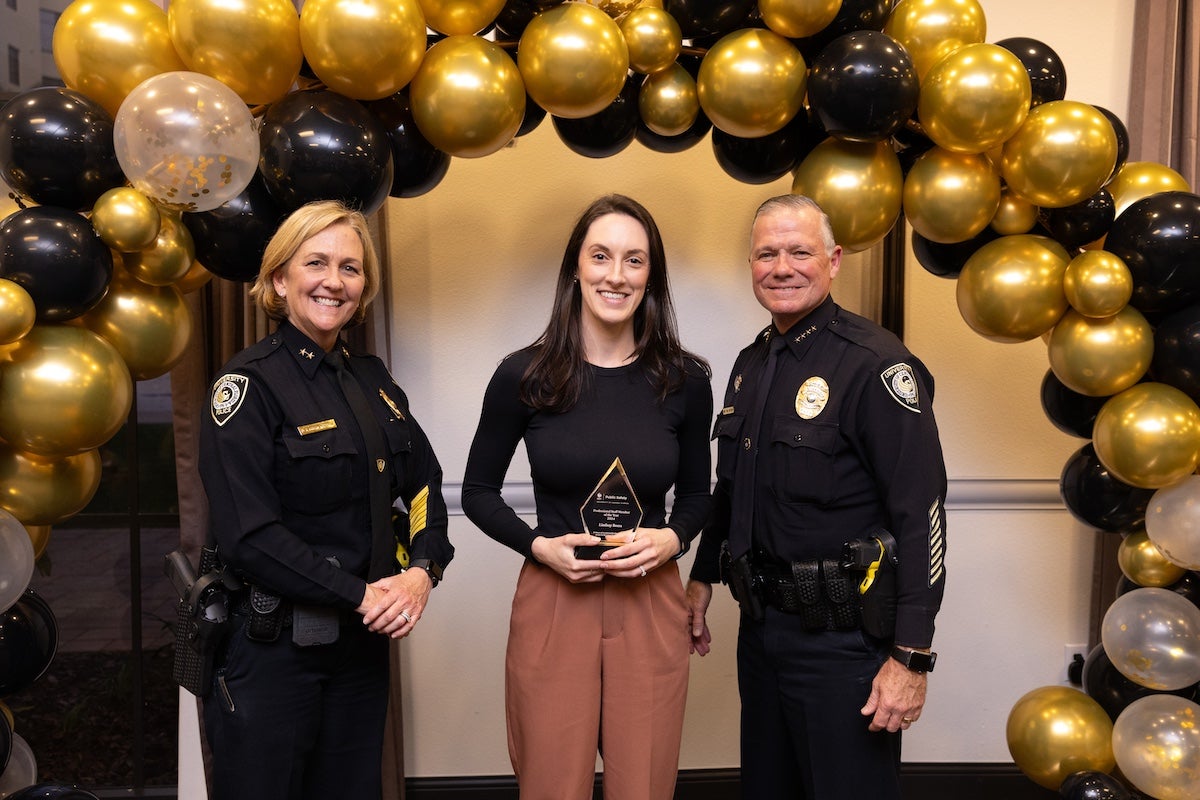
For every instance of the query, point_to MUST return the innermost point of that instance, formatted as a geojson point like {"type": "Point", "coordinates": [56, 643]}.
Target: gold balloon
{"type": "Point", "coordinates": [951, 197]}
{"type": "Point", "coordinates": [365, 49]}
{"type": "Point", "coordinates": [149, 325]}
{"type": "Point", "coordinates": [17, 312]}
{"type": "Point", "coordinates": [1098, 283]}
{"type": "Point", "coordinates": [63, 390]}
{"type": "Point", "coordinates": [932, 29]}
{"type": "Point", "coordinates": [251, 46]}
{"type": "Point", "coordinates": [467, 97]}
{"type": "Point", "coordinates": [460, 17]}
{"type": "Point", "coordinates": [169, 259]}
{"type": "Point", "coordinates": [39, 535]}
{"type": "Point", "coordinates": [104, 48]}
{"type": "Point", "coordinates": [125, 219]}
{"type": "Point", "coordinates": [1062, 155]}
{"type": "Point", "coordinates": [1138, 179]}
{"type": "Point", "coordinates": [858, 184]}
{"type": "Point", "coordinates": [196, 276]}
{"type": "Point", "coordinates": [1100, 357]}
{"type": "Point", "coordinates": [1010, 290]}
{"type": "Point", "coordinates": [1148, 435]}
{"type": "Point", "coordinates": [653, 38]}
{"type": "Point", "coordinates": [798, 18]}
{"type": "Point", "coordinates": [668, 102]}
{"type": "Point", "coordinates": [45, 491]}
{"type": "Point", "coordinates": [1015, 215]}
{"type": "Point", "coordinates": [1143, 563]}
{"type": "Point", "coordinates": [752, 82]}
{"type": "Point", "coordinates": [1053, 731]}
{"type": "Point", "coordinates": [573, 60]}
{"type": "Point", "coordinates": [975, 98]}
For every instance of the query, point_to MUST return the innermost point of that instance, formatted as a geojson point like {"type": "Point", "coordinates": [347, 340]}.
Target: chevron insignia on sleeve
{"type": "Point", "coordinates": [937, 542]}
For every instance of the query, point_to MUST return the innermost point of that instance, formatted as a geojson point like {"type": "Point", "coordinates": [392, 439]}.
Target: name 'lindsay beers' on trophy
{"type": "Point", "coordinates": [611, 508]}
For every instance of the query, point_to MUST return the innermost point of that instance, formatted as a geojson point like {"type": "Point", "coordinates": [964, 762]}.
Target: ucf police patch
{"type": "Point", "coordinates": [902, 386]}
{"type": "Point", "coordinates": [228, 394]}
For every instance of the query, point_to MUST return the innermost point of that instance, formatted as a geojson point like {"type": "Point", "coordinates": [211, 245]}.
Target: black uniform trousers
{"type": "Point", "coordinates": [299, 723]}
{"type": "Point", "coordinates": [803, 737]}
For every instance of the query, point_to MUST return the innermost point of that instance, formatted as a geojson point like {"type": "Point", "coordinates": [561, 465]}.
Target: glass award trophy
{"type": "Point", "coordinates": [611, 508]}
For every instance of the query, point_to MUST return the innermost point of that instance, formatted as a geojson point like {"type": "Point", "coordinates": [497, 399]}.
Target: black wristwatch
{"type": "Point", "coordinates": [915, 660]}
{"type": "Point", "coordinates": [430, 566]}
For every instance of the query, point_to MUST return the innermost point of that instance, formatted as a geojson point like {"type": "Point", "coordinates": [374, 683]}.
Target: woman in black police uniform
{"type": "Point", "coordinates": [304, 450]}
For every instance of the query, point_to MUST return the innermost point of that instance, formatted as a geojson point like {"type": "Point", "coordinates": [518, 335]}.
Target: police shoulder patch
{"type": "Point", "coordinates": [228, 393]}
{"type": "Point", "coordinates": [902, 386]}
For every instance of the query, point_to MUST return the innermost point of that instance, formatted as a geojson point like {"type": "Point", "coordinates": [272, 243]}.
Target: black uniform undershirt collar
{"type": "Point", "coordinates": [801, 335]}
{"type": "Point", "coordinates": [307, 353]}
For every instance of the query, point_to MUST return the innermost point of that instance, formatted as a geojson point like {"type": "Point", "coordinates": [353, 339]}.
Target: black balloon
{"type": "Point", "coordinates": [1176, 359]}
{"type": "Point", "coordinates": [605, 133]}
{"type": "Point", "coordinates": [1158, 238]}
{"type": "Point", "coordinates": [1069, 411]}
{"type": "Point", "coordinates": [230, 239]}
{"type": "Point", "coordinates": [763, 159]}
{"type": "Point", "coordinates": [6, 740]}
{"type": "Point", "coordinates": [854, 15]}
{"type": "Point", "coordinates": [56, 148]}
{"type": "Point", "coordinates": [1082, 223]}
{"type": "Point", "coordinates": [51, 791]}
{"type": "Point", "coordinates": [1047, 74]}
{"type": "Point", "coordinates": [674, 144]}
{"type": "Point", "coordinates": [947, 260]}
{"type": "Point", "coordinates": [1122, 137]}
{"type": "Point", "coordinates": [1098, 499]}
{"type": "Point", "coordinates": [709, 18]}
{"type": "Point", "coordinates": [321, 145]}
{"type": "Point", "coordinates": [28, 642]}
{"type": "Point", "coordinates": [863, 87]}
{"type": "Point", "coordinates": [57, 257]}
{"type": "Point", "coordinates": [534, 114]}
{"type": "Point", "coordinates": [1105, 684]}
{"type": "Point", "coordinates": [1187, 587]}
{"type": "Point", "coordinates": [517, 14]}
{"type": "Point", "coordinates": [417, 166]}
{"type": "Point", "coordinates": [1093, 785]}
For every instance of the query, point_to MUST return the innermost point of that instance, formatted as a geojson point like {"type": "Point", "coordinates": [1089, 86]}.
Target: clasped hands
{"type": "Point", "coordinates": [392, 605]}
{"type": "Point", "coordinates": [640, 551]}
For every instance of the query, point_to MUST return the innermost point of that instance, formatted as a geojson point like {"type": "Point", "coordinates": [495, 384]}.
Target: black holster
{"type": "Point", "coordinates": [202, 617]}
{"type": "Point", "coordinates": [874, 560]}
{"type": "Point", "coordinates": [738, 574]}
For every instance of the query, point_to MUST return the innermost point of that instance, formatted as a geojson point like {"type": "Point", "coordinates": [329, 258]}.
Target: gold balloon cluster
{"type": "Point", "coordinates": [1054, 731]}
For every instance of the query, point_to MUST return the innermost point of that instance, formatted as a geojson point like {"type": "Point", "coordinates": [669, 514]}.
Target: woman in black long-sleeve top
{"type": "Point", "coordinates": [598, 648]}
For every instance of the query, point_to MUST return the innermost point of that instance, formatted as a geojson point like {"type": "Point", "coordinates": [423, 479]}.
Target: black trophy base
{"type": "Point", "coordinates": [591, 552]}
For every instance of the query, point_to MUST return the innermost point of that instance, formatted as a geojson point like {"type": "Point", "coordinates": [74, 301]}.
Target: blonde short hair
{"type": "Point", "coordinates": [300, 226]}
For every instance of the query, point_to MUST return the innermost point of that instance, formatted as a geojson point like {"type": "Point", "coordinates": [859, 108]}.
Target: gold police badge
{"type": "Point", "coordinates": [812, 397]}
{"type": "Point", "coordinates": [228, 393]}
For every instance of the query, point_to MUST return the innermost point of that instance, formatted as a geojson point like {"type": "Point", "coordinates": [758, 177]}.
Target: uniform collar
{"type": "Point", "coordinates": [307, 353]}
{"type": "Point", "coordinates": [799, 334]}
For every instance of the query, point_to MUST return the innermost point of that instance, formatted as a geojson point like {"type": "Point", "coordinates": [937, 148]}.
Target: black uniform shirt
{"type": "Point", "coordinates": [283, 463]}
{"type": "Point", "coordinates": [848, 444]}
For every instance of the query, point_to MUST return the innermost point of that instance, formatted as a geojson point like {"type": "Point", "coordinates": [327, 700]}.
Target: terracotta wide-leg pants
{"type": "Point", "coordinates": [596, 667]}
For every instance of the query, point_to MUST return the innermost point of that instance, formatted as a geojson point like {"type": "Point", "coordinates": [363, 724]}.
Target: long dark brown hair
{"type": "Point", "coordinates": [556, 376]}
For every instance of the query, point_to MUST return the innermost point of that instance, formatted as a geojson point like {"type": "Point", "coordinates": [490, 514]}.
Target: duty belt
{"type": "Point", "coordinates": [820, 591]}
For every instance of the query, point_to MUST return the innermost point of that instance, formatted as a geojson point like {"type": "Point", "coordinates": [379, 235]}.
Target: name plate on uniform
{"type": "Point", "coordinates": [611, 508]}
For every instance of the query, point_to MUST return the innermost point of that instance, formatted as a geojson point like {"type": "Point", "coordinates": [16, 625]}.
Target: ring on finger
{"type": "Point", "coordinates": [407, 618]}
{"type": "Point", "coordinates": [909, 720]}
{"type": "Point", "coordinates": [643, 569]}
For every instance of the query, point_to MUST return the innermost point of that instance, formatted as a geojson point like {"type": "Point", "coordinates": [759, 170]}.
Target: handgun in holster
{"type": "Point", "coordinates": [202, 616]}
{"type": "Point", "coordinates": [738, 574]}
{"type": "Point", "coordinates": [876, 558]}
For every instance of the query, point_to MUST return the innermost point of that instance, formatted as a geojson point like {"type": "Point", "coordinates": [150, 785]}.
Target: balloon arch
{"type": "Point", "coordinates": [182, 137]}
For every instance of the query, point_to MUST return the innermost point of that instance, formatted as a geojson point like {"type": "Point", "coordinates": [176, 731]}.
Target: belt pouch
{"type": "Point", "coordinates": [266, 616]}
{"type": "Point", "coordinates": [806, 579]}
{"type": "Point", "coordinates": [842, 595]}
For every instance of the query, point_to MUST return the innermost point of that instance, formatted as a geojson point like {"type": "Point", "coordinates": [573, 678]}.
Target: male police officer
{"type": "Point", "coordinates": [826, 436]}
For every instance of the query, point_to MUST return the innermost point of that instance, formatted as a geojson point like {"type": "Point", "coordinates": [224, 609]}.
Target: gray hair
{"type": "Point", "coordinates": [798, 202]}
